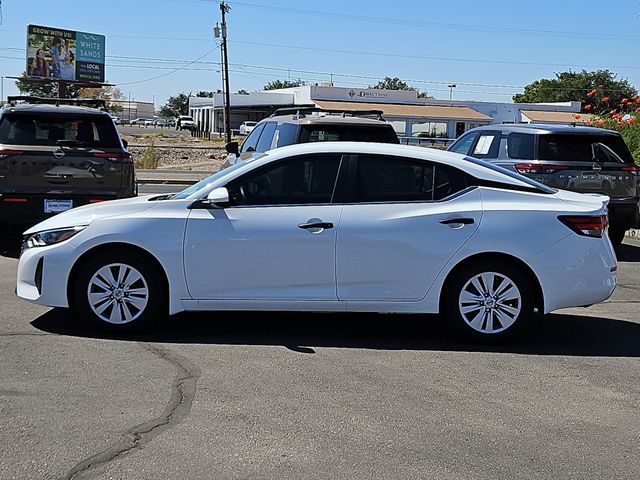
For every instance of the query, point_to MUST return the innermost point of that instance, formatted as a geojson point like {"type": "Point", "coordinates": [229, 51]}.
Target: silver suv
{"type": "Point", "coordinates": [581, 159]}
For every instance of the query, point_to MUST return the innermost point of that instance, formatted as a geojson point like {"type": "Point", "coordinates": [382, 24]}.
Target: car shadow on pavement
{"type": "Point", "coordinates": [10, 242]}
{"type": "Point", "coordinates": [556, 334]}
{"type": "Point", "coordinates": [628, 252]}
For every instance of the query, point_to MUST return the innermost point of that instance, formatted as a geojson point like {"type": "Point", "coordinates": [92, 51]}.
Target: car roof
{"type": "Point", "coordinates": [53, 109]}
{"type": "Point", "coordinates": [477, 168]}
{"type": "Point", "coordinates": [315, 119]}
{"type": "Point", "coordinates": [544, 129]}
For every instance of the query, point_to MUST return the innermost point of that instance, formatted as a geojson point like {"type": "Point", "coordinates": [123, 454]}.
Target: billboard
{"type": "Point", "coordinates": [64, 54]}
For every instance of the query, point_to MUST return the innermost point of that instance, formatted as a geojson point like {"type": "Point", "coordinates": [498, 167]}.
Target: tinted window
{"type": "Point", "coordinates": [92, 131]}
{"type": "Point", "coordinates": [302, 180]}
{"type": "Point", "coordinates": [464, 144]}
{"type": "Point", "coordinates": [318, 133]}
{"type": "Point", "coordinates": [487, 146]}
{"type": "Point", "coordinates": [251, 141]}
{"type": "Point", "coordinates": [583, 148]}
{"type": "Point", "coordinates": [520, 146]}
{"type": "Point", "coordinates": [392, 179]}
{"type": "Point", "coordinates": [287, 134]}
{"type": "Point", "coordinates": [266, 138]}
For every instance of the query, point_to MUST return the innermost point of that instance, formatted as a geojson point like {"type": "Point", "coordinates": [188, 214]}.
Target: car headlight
{"type": "Point", "coordinates": [49, 237]}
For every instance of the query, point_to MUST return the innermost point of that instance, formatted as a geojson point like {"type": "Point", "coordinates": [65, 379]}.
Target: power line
{"type": "Point", "coordinates": [450, 26]}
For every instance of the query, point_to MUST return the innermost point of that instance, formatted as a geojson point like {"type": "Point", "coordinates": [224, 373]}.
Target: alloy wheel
{"type": "Point", "coordinates": [490, 302]}
{"type": "Point", "coordinates": [118, 293]}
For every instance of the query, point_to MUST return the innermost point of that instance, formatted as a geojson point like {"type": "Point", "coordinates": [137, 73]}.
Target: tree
{"type": "Point", "coordinates": [108, 93]}
{"type": "Point", "coordinates": [277, 84]}
{"type": "Point", "coordinates": [396, 84]}
{"type": "Point", "coordinates": [596, 90]}
{"type": "Point", "coordinates": [242, 92]}
{"type": "Point", "coordinates": [178, 105]}
{"type": "Point", "coordinates": [42, 89]}
{"type": "Point", "coordinates": [392, 84]}
{"type": "Point", "coordinates": [204, 94]}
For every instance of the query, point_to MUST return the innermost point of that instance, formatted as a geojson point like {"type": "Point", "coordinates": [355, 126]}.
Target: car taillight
{"type": "Point", "coordinates": [633, 169]}
{"type": "Point", "coordinates": [6, 153]}
{"type": "Point", "coordinates": [587, 225]}
{"type": "Point", "coordinates": [124, 157]}
{"type": "Point", "coordinates": [533, 168]}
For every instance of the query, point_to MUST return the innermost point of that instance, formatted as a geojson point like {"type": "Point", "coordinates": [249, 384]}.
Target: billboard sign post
{"type": "Point", "coordinates": [62, 55]}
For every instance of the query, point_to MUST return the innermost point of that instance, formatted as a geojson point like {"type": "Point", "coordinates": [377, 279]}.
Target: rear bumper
{"type": "Point", "coordinates": [624, 212]}
{"type": "Point", "coordinates": [29, 209]}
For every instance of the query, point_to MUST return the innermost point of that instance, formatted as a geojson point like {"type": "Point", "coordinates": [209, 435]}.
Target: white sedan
{"type": "Point", "coordinates": [334, 226]}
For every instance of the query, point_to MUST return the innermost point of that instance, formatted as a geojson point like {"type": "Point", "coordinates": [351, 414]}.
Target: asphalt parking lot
{"type": "Point", "coordinates": [266, 396]}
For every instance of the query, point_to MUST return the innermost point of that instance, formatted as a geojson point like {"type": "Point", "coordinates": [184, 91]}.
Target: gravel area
{"type": "Point", "coordinates": [180, 152]}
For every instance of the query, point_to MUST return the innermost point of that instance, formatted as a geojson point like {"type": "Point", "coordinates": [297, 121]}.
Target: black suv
{"type": "Point", "coordinates": [54, 157]}
{"type": "Point", "coordinates": [290, 126]}
{"type": "Point", "coordinates": [581, 159]}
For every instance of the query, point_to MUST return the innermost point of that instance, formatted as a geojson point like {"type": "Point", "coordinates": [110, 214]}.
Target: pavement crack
{"type": "Point", "coordinates": [183, 391]}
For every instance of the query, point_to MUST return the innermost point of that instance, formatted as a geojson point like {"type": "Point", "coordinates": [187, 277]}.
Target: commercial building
{"type": "Point", "coordinates": [134, 109]}
{"type": "Point", "coordinates": [412, 117]}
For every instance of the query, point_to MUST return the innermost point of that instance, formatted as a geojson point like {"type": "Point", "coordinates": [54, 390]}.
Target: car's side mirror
{"type": "Point", "coordinates": [232, 147]}
{"type": "Point", "coordinates": [218, 198]}
{"type": "Point", "coordinates": [125, 144]}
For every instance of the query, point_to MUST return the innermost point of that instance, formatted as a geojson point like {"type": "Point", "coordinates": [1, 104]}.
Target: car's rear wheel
{"type": "Point", "coordinates": [489, 302]}
{"type": "Point", "coordinates": [616, 235]}
{"type": "Point", "coordinates": [119, 292]}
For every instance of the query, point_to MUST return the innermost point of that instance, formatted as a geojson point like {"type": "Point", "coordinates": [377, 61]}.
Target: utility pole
{"type": "Point", "coordinates": [224, 9]}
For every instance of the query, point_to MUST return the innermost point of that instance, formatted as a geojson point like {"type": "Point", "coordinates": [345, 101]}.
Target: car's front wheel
{"type": "Point", "coordinates": [489, 302]}
{"type": "Point", "coordinates": [120, 291]}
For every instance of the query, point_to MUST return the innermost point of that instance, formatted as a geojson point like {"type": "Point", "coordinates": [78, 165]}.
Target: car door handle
{"type": "Point", "coordinates": [463, 221]}
{"type": "Point", "coordinates": [325, 225]}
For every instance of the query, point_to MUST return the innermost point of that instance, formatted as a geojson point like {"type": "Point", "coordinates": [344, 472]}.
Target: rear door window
{"type": "Point", "coordinates": [520, 146]}
{"type": "Point", "coordinates": [394, 179]}
{"type": "Point", "coordinates": [287, 134]}
{"type": "Point", "coordinates": [90, 131]}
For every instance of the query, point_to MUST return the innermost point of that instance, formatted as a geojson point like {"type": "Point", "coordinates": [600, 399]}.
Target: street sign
{"type": "Point", "coordinates": [65, 54]}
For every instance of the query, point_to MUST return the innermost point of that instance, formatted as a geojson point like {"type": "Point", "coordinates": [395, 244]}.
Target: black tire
{"type": "Point", "coordinates": [130, 298]}
{"type": "Point", "coordinates": [616, 235]}
{"type": "Point", "coordinates": [462, 324]}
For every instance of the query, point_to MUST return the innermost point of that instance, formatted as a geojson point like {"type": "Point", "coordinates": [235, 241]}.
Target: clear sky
{"type": "Point", "coordinates": [490, 49]}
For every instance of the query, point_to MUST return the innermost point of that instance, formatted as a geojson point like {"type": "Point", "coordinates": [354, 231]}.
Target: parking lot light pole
{"type": "Point", "coordinates": [451, 87]}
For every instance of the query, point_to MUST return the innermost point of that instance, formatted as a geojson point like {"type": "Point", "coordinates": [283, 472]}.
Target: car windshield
{"type": "Point", "coordinates": [213, 178]}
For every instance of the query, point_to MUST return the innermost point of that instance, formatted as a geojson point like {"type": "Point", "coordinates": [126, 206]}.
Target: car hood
{"type": "Point", "coordinates": [88, 213]}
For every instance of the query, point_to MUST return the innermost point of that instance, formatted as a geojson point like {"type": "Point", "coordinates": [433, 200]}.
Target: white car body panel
{"type": "Point", "coordinates": [386, 257]}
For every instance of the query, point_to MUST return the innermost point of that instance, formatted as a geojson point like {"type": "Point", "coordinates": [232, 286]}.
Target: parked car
{"type": "Point", "coordinates": [580, 159]}
{"type": "Point", "coordinates": [138, 121]}
{"type": "Point", "coordinates": [54, 158]}
{"type": "Point", "coordinates": [160, 122]}
{"type": "Point", "coordinates": [335, 226]}
{"type": "Point", "coordinates": [247, 127]}
{"type": "Point", "coordinates": [289, 126]}
{"type": "Point", "coordinates": [116, 119]}
{"type": "Point", "coordinates": [149, 122]}
{"type": "Point", "coordinates": [185, 122]}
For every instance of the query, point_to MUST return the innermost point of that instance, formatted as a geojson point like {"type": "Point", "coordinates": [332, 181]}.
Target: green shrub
{"type": "Point", "coordinates": [149, 159]}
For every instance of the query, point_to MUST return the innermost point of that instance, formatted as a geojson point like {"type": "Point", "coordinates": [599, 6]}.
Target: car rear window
{"type": "Point", "coordinates": [93, 131]}
{"type": "Point", "coordinates": [311, 133]}
{"type": "Point", "coordinates": [583, 148]}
